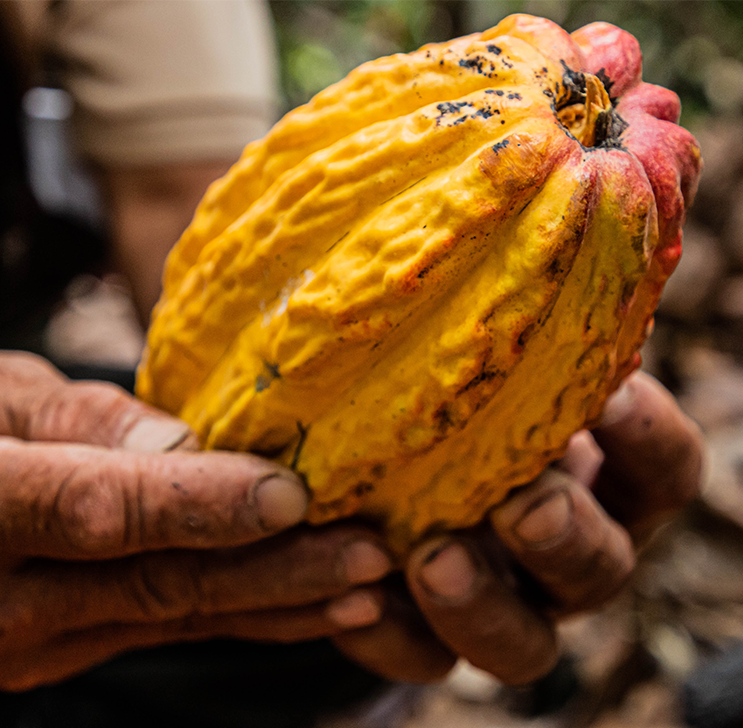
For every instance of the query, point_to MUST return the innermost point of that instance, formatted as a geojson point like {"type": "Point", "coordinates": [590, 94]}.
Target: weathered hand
{"type": "Point", "coordinates": [563, 544]}
{"type": "Point", "coordinates": [114, 544]}
{"type": "Point", "coordinates": [108, 547]}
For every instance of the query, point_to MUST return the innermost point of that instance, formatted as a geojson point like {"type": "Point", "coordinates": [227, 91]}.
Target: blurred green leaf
{"type": "Point", "coordinates": [311, 67]}
{"type": "Point", "coordinates": [690, 46]}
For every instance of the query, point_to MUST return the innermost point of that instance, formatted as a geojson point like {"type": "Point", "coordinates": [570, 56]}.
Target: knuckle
{"type": "Point", "coordinates": [107, 403]}
{"type": "Point", "coordinates": [533, 658]}
{"type": "Point", "coordinates": [28, 366]}
{"type": "Point", "coordinates": [683, 482]}
{"type": "Point", "coordinates": [315, 556]}
{"type": "Point", "coordinates": [192, 626]}
{"type": "Point", "coordinates": [31, 384]}
{"type": "Point", "coordinates": [108, 396]}
{"type": "Point", "coordinates": [612, 574]}
{"type": "Point", "coordinates": [160, 592]}
{"type": "Point", "coordinates": [18, 624]}
{"type": "Point", "coordinates": [54, 409]}
{"type": "Point", "coordinates": [623, 566]}
{"type": "Point", "coordinates": [691, 481]}
{"type": "Point", "coordinates": [600, 574]}
{"type": "Point", "coordinates": [89, 510]}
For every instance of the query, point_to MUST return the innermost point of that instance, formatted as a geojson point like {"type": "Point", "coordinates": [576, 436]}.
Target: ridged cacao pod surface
{"type": "Point", "coordinates": [420, 284]}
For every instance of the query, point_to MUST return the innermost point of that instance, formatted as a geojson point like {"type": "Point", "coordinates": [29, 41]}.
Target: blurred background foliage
{"type": "Point", "coordinates": [693, 47]}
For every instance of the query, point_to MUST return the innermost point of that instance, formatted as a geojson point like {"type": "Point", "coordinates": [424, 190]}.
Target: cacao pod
{"type": "Point", "coordinates": [420, 284]}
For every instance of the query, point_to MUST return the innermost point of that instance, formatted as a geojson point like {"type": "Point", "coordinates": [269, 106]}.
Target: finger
{"type": "Point", "coordinates": [582, 459]}
{"type": "Point", "coordinates": [303, 567]}
{"type": "Point", "coordinates": [558, 532]}
{"type": "Point", "coordinates": [653, 456]}
{"type": "Point", "coordinates": [76, 652]}
{"type": "Point", "coordinates": [477, 614]}
{"type": "Point", "coordinates": [41, 405]}
{"type": "Point", "coordinates": [76, 501]}
{"type": "Point", "coordinates": [400, 646]}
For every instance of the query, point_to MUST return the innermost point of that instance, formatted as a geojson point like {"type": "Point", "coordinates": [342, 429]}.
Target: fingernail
{"type": "Point", "coordinates": [618, 406]}
{"type": "Point", "coordinates": [279, 502]}
{"type": "Point", "coordinates": [364, 562]}
{"type": "Point", "coordinates": [156, 434]}
{"type": "Point", "coordinates": [546, 521]}
{"type": "Point", "coordinates": [357, 609]}
{"type": "Point", "coordinates": [449, 571]}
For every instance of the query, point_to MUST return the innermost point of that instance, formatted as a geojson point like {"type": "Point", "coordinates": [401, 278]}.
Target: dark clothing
{"type": "Point", "coordinates": [212, 685]}
{"type": "Point", "coordinates": [40, 252]}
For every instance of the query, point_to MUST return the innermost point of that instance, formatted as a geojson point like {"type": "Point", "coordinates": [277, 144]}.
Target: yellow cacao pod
{"type": "Point", "coordinates": [419, 285]}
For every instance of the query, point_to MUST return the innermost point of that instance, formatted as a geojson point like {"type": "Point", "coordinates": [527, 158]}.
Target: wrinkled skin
{"type": "Point", "coordinates": [575, 532]}
{"type": "Point", "coordinates": [115, 537]}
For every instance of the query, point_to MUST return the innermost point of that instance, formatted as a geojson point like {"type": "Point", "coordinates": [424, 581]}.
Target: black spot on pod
{"type": "Point", "coordinates": [362, 488]}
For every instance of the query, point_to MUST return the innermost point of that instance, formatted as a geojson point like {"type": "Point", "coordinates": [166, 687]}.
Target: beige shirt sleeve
{"type": "Point", "coordinates": [166, 80]}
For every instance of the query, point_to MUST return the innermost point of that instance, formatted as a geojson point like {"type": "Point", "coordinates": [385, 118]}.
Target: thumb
{"type": "Point", "coordinates": [39, 404]}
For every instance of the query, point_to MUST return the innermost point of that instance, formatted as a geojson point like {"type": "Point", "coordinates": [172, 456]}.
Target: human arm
{"type": "Point", "coordinates": [148, 207]}
{"type": "Point", "coordinates": [165, 98]}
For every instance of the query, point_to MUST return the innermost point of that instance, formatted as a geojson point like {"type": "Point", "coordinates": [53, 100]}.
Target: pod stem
{"type": "Point", "coordinates": [586, 110]}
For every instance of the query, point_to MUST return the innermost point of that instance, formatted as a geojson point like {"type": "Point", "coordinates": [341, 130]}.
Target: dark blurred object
{"type": "Point", "coordinates": [713, 694]}
{"type": "Point", "coordinates": [547, 695]}
{"type": "Point", "coordinates": [123, 377]}
{"type": "Point", "coordinates": [211, 685]}
{"type": "Point", "coordinates": [39, 251]}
